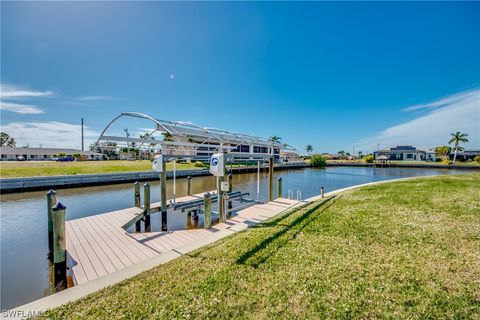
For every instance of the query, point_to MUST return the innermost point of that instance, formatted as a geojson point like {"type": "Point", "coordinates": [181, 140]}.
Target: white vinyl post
{"type": "Point", "coordinates": [258, 180]}
{"type": "Point", "coordinates": [174, 180]}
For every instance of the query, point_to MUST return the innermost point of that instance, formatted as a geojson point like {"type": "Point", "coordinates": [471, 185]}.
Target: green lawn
{"type": "Point", "coordinates": [403, 250]}
{"type": "Point", "coordinates": [34, 168]}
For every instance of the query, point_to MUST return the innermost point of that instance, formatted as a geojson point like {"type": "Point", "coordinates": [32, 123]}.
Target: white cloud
{"type": "Point", "coordinates": [49, 134]}
{"type": "Point", "coordinates": [96, 98]}
{"type": "Point", "coordinates": [20, 108]}
{"type": "Point", "coordinates": [10, 91]}
{"type": "Point", "coordinates": [459, 112]}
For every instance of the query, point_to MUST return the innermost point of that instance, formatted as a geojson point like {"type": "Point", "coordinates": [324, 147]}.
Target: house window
{"type": "Point", "coordinates": [409, 156]}
{"type": "Point", "coordinates": [4, 156]}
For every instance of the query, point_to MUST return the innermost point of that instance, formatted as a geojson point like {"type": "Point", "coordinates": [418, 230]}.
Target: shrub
{"type": "Point", "coordinates": [199, 164]}
{"type": "Point", "coordinates": [317, 160]}
{"type": "Point", "coordinates": [446, 161]}
{"type": "Point", "coordinates": [477, 159]}
{"type": "Point", "coordinates": [368, 158]}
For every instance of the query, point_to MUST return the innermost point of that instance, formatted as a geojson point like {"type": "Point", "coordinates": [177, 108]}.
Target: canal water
{"type": "Point", "coordinates": [25, 271]}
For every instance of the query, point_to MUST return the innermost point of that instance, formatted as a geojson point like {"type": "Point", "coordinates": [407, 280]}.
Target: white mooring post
{"type": "Point", "coordinates": [189, 185]}
{"type": "Point", "coordinates": [270, 179]}
{"type": "Point", "coordinates": [322, 194]}
{"type": "Point", "coordinates": [258, 180]}
{"type": "Point", "coordinates": [174, 181]}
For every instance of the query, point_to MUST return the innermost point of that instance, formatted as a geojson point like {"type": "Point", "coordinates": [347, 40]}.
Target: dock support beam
{"type": "Point", "coordinates": [59, 245]}
{"type": "Point", "coordinates": [207, 210]}
{"type": "Point", "coordinates": [280, 187]}
{"type": "Point", "coordinates": [51, 201]}
{"type": "Point", "coordinates": [189, 186]}
{"type": "Point", "coordinates": [146, 206]}
{"type": "Point", "coordinates": [270, 179]}
{"type": "Point", "coordinates": [138, 226]}
{"type": "Point", "coordinates": [163, 194]}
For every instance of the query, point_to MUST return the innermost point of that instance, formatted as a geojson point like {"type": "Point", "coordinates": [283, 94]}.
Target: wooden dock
{"type": "Point", "coordinates": [98, 245]}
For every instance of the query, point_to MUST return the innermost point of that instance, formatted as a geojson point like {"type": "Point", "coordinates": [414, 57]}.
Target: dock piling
{"type": "Point", "coordinates": [59, 247]}
{"type": "Point", "coordinates": [163, 195]}
{"type": "Point", "coordinates": [51, 201]}
{"type": "Point", "coordinates": [146, 206]}
{"type": "Point", "coordinates": [220, 202]}
{"type": "Point", "coordinates": [138, 226]}
{"type": "Point", "coordinates": [222, 215]}
{"type": "Point", "coordinates": [270, 179]}
{"type": "Point", "coordinates": [280, 187]}
{"type": "Point", "coordinates": [189, 185]}
{"type": "Point", "coordinates": [207, 210]}
{"type": "Point", "coordinates": [322, 194]}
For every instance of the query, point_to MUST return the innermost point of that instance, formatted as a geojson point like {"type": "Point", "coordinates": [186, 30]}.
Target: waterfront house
{"type": "Point", "coordinates": [405, 153]}
{"type": "Point", "coordinates": [13, 153]}
{"type": "Point", "coordinates": [465, 155]}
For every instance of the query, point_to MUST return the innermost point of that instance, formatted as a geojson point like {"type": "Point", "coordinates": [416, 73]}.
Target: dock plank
{"type": "Point", "coordinates": [98, 245]}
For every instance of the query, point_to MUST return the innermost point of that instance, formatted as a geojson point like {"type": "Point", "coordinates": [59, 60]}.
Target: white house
{"type": "Point", "coordinates": [406, 153]}
{"type": "Point", "coordinates": [13, 153]}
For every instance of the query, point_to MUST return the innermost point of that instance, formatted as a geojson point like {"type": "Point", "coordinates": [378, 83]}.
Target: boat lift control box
{"type": "Point", "coordinates": [157, 164]}
{"type": "Point", "coordinates": [217, 167]}
{"type": "Point", "coordinates": [225, 186]}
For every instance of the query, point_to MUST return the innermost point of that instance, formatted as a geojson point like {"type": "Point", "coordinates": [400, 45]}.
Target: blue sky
{"type": "Point", "coordinates": [334, 75]}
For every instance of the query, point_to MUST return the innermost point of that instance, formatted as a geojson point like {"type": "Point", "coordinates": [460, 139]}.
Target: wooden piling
{"type": "Point", "coordinates": [163, 195]}
{"type": "Point", "coordinates": [279, 187]}
{"type": "Point", "coordinates": [270, 179]}
{"type": "Point", "coordinates": [138, 226]}
{"type": "Point", "coordinates": [207, 210]}
{"type": "Point", "coordinates": [51, 201]}
{"type": "Point", "coordinates": [322, 194]}
{"type": "Point", "coordinates": [146, 206]}
{"type": "Point", "coordinates": [59, 245]}
{"type": "Point", "coordinates": [189, 186]}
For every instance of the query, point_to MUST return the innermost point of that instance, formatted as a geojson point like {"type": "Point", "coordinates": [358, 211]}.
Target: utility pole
{"type": "Point", "coordinates": [83, 148]}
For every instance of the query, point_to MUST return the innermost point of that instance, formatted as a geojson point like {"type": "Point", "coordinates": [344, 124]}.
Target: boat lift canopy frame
{"type": "Point", "coordinates": [213, 140]}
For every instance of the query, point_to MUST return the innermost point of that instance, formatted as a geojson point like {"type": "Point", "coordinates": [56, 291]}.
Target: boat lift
{"type": "Point", "coordinates": [189, 141]}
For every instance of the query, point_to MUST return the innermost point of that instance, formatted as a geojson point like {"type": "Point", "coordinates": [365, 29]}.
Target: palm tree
{"type": "Point", "coordinates": [167, 136]}
{"type": "Point", "coordinates": [275, 139]}
{"type": "Point", "coordinates": [309, 148]}
{"type": "Point", "coordinates": [457, 137]}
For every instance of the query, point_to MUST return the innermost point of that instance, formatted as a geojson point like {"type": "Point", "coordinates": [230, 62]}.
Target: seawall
{"type": "Point", "coordinates": [12, 185]}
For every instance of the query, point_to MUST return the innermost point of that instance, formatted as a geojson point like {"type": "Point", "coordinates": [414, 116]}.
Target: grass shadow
{"type": "Point", "coordinates": [266, 248]}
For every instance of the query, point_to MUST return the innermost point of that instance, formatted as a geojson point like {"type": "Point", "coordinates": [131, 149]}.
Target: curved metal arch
{"type": "Point", "coordinates": [134, 115]}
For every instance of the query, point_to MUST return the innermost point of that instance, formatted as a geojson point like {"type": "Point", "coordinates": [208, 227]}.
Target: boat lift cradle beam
{"type": "Point", "coordinates": [236, 195]}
